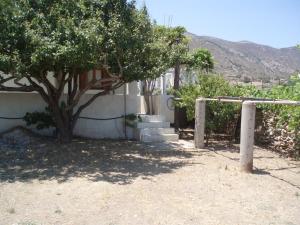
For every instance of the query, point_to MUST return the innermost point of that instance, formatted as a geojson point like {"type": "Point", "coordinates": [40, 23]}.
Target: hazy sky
{"type": "Point", "coordinates": [270, 22]}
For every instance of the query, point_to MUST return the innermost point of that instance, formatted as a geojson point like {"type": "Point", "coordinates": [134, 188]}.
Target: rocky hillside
{"type": "Point", "coordinates": [244, 60]}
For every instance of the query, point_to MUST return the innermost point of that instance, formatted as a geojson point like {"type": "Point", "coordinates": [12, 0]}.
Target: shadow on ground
{"type": "Point", "coordinates": [112, 161]}
{"type": "Point", "coordinates": [223, 148]}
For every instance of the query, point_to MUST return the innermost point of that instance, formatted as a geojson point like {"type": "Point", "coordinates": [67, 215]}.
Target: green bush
{"type": "Point", "coordinates": [219, 116]}
{"type": "Point", "coordinates": [41, 120]}
{"type": "Point", "coordinates": [287, 115]}
{"type": "Point", "coordinates": [287, 118]}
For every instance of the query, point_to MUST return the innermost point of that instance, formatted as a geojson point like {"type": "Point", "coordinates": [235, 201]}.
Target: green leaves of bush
{"type": "Point", "coordinates": [41, 120]}
{"type": "Point", "coordinates": [220, 115]}
{"type": "Point", "coordinates": [286, 115]}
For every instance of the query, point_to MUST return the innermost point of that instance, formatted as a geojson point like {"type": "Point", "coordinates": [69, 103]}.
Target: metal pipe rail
{"type": "Point", "coordinates": [256, 101]}
{"type": "Point", "coordinates": [247, 124]}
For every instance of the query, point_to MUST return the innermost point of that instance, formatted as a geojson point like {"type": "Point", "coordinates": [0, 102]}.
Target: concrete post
{"type": "Point", "coordinates": [199, 123]}
{"type": "Point", "coordinates": [247, 136]}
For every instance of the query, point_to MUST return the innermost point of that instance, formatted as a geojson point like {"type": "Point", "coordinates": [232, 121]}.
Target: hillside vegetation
{"type": "Point", "coordinates": [240, 60]}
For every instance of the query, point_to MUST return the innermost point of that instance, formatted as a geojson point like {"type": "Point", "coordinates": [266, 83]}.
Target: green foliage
{"type": "Point", "coordinates": [39, 36]}
{"type": "Point", "coordinates": [166, 46]}
{"type": "Point", "coordinates": [132, 119]}
{"type": "Point", "coordinates": [287, 115]}
{"type": "Point", "coordinates": [175, 42]}
{"type": "Point", "coordinates": [41, 120]}
{"type": "Point", "coordinates": [200, 59]}
{"type": "Point", "coordinates": [210, 86]}
{"type": "Point", "coordinates": [220, 115]}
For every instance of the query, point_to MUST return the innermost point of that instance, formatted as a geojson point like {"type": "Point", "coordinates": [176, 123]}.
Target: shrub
{"type": "Point", "coordinates": [41, 120]}
{"type": "Point", "coordinates": [219, 116]}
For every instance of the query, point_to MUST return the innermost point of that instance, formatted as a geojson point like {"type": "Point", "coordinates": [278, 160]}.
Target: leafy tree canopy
{"type": "Point", "coordinates": [68, 38]}
{"type": "Point", "coordinates": [200, 59]}
{"type": "Point", "coordinates": [40, 36]}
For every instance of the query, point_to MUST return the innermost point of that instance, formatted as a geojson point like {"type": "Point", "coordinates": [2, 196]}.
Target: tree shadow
{"type": "Point", "coordinates": [118, 162]}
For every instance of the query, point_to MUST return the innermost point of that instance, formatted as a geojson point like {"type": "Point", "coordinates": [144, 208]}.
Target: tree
{"type": "Point", "coordinates": [62, 40]}
{"type": "Point", "coordinates": [169, 48]}
{"type": "Point", "coordinates": [162, 55]}
{"type": "Point", "coordinates": [200, 59]}
{"type": "Point", "coordinates": [179, 55]}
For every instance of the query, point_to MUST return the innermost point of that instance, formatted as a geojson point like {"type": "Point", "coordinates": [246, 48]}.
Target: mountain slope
{"type": "Point", "coordinates": [238, 60]}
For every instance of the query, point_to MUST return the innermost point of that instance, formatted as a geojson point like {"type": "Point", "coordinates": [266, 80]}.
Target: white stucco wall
{"type": "Point", "coordinates": [107, 107]}
{"type": "Point", "coordinates": [18, 104]}
{"type": "Point", "coordinates": [163, 106]}
{"type": "Point", "coordinates": [13, 104]}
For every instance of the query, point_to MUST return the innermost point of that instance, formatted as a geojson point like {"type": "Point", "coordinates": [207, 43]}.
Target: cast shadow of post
{"type": "Point", "coordinates": [222, 148]}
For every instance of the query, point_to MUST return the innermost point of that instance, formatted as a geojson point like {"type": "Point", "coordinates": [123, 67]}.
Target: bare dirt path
{"type": "Point", "coordinates": [124, 183]}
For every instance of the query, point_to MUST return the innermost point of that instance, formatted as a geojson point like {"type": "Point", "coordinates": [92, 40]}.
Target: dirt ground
{"type": "Point", "coordinates": [127, 183]}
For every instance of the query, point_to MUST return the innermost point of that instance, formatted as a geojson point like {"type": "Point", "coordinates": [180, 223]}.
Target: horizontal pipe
{"type": "Point", "coordinates": [246, 98]}
{"type": "Point", "coordinates": [224, 100]}
{"type": "Point", "coordinates": [267, 101]}
{"type": "Point", "coordinates": [277, 102]}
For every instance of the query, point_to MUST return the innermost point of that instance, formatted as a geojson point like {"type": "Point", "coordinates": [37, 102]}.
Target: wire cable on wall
{"type": "Point", "coordinates": [81, 117]}
{"type": "Point", "coordinates": [11, 118]}
{"type": "Point", "coordinates": [92, 118]}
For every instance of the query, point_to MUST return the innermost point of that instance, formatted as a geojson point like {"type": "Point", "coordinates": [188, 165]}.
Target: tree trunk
{"type": "Point", "coordinates": [148, 88]}
{"type": "Point", "coordinates": [146, 97]}
{"type": "Point", "coordinates": [176, 87]}
{"type": "Point", "coordinates": [149, 103]}
{"type": "Point", "coordinates": [63, 121]}
{"type": "Point", "coordinates": [65, 134]}
{"type": "Point", "coordinates": [176, 76]}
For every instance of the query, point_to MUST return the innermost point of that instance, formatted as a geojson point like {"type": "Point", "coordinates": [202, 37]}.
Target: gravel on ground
{"type": "Point", "coordinates": [110, 182]}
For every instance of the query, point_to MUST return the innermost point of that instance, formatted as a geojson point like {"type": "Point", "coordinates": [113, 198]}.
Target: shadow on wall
{"type": "Point", "coordinates": [119, 162]}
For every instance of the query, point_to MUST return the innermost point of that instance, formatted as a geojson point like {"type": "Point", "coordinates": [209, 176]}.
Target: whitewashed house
{"type": "Point", "coordinates": [102, 112]}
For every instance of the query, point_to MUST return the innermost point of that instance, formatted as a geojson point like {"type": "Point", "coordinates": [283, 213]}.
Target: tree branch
{"type": "Point", "coordinates": [75, 86]}
{"type": "Point", "coordinates": [52, 91]}
{"type": "Point", "coordinates": [39, 89]}
{"type": "Point", "coordinates": [61, 82]}
{"type": "Point", "coordinates": [120, 66]}
{"type": "Point", "coordinates": [20, 87]}
{"type": "Point", "coordinates": [4, 80]}
{"type": "Point", "coordinates": [82, 107]}
{"type": "Point", "coordinates": [88, 87]}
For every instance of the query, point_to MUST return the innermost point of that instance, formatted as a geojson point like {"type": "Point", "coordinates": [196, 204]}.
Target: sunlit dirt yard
{"type": "Point", "coordinates": [122, 182]}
